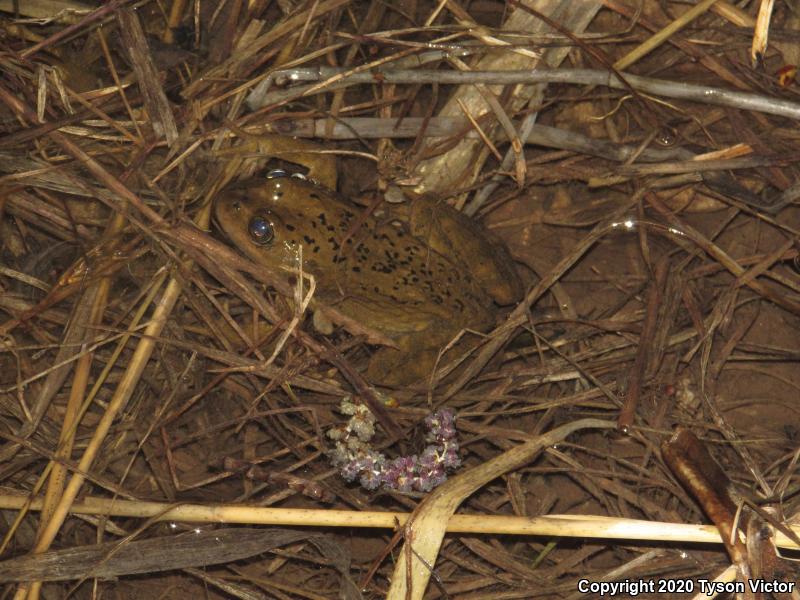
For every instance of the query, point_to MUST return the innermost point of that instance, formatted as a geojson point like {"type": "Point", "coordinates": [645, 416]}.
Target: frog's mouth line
{"type": "Point", "coordinates": [217, 226]}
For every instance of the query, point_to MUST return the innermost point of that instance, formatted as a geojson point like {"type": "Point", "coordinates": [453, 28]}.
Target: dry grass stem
{"type": "Point", "coordinates": [545, 526]}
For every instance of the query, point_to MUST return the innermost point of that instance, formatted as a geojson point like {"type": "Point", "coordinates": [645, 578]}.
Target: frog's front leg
{"type": "Point", "coordinates": [321, 167]}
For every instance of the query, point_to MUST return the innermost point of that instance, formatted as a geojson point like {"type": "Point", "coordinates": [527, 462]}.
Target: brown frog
{"type": "Point", "coordinates": [418, 281]}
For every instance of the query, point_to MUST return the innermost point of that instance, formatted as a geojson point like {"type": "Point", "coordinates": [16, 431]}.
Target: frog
{"type": "Point", "coordinates": [419, 275]}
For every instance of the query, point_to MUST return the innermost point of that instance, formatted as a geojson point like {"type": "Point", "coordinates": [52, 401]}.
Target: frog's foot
{"type": "Point", "coordinates": [415, 360]}
{"type": "Point", "coordinates": [392, 367]}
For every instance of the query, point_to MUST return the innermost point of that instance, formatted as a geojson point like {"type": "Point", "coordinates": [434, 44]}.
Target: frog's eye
{"type": "Point", "coordinates": [276, 173]}
{"type": "Point", "coordinates": [261, 230]}
{"type": "Point", "coordinates": [299, 176]}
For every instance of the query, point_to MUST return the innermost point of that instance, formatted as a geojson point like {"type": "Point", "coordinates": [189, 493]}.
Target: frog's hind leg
{"type": "Point", "coordinates": [455, 235]}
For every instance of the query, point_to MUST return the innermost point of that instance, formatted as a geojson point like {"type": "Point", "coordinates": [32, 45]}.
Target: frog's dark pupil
{"type": "Point", "coordinates": [261, 230]}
